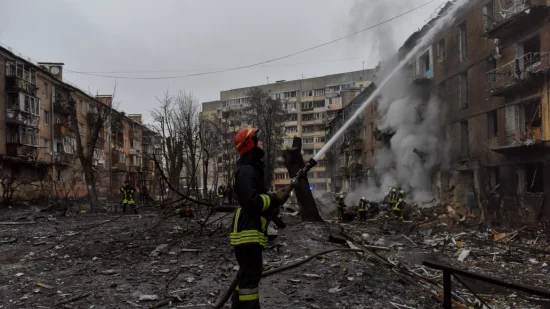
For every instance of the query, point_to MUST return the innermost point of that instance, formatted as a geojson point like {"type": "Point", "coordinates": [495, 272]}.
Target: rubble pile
{"type": "Point", "coordinates": [110, 261]}
{"type": "Point", "coordinates": [454, 236]}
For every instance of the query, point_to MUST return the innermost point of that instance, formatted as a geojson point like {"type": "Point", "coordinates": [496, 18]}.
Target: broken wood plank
{"type": "Point", "coordinates": [294, 162]}
{"type": "Point", "coordinates": [73, 299]}
{"type": "Point", "coordinates": [8, 241]}
{"type": "Point", "coordinates": [17, 223]}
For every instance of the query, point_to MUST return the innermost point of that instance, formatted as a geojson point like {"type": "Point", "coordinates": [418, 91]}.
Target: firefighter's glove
{"type": "Point", "coordinates": [281, 197]}
{"type": "Point", "coordinates": [274, 211]}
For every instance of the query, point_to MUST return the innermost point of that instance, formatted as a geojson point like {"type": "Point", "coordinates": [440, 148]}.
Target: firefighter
{"type": "Point", "coordinates": [398, 209]}
{"type": "Point", "coordinates": [340, 206]}
{"type": "Point", "coordinates": [363, 209]}
{"type": "Point", "coordinates": [221, 193]}
{"type": "Point", "coordinates": [128, 196]}
{"type": "Point", "coordinates": [248, 233]}
{"type": "Point", "coordinates": [400, 193]}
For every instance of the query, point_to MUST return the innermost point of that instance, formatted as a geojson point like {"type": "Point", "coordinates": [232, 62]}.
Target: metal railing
{"type": "Point", "coordinates": [449, 271]}
{"type": "Point", "coordinates": [518, 70]}
{"type": "Point", "coordinates": [504, 11]}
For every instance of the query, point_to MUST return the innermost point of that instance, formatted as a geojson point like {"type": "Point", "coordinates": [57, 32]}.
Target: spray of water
{"type": "Point", "coordinates": [444, 21]}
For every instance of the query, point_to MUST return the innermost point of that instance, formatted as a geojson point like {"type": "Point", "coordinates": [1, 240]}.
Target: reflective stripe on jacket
{"type": "Point", "coordinates": [362, 205]}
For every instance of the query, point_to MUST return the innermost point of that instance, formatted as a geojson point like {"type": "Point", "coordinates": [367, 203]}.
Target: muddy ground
{"type": "Point", "coordinates": [109, 261]}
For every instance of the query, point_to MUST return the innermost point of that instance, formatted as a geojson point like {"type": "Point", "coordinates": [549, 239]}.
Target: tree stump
{"type": "Point", "coordinates": [294, 162]}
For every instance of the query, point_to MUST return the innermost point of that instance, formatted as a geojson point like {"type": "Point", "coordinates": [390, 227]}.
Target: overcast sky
{"type": "Point", "coordinates": [182, 37]}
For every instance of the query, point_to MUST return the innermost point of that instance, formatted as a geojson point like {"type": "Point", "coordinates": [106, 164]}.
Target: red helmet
{"type": "Point", "coordinates": [245, 140]}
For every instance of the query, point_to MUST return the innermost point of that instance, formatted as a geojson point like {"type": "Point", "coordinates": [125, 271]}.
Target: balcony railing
{"type": "Point", "coordinates": [62, 157]}
{"type": "Point", "coordinates": [133, 151]}
{"type": "Point", "coordinates": [25, 152]}
{"type": "Point", "coordinates": [61, 106]}
{"type": "Point", "coordinates": [509, 16]}
{"type": "Point", "coordinates": [134, 134]}
{"type": "Point", "coordinates": [424, 75]}
{"type": "Point", "coordinates": [14, 83]}
{"type": "Point", "coordinates": [60, 130]}
{"type": "Point", "coordinates": [514, 73]}
{"type": "Point", "coordinates": [20, 118]}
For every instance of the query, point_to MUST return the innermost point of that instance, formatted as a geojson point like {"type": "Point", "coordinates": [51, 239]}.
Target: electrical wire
{"type": "Point", "coordinates": [210, 69]}
{"type": "Point", "coordinates": [262, 62]}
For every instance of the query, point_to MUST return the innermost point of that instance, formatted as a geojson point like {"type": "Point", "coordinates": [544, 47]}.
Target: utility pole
{"type": "Point", "coordinates": [363, 73]}
{"type": "Point", "coordinates": [267, 80]}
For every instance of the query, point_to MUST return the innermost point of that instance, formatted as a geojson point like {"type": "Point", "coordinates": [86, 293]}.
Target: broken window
{"type": "Point", "coordinates": [424, 62]}
{"type": "Point", "coordinates": [464, 139]}
{"type": "Point", "coordinates": [464, 90]}
{"type": "Point", "coordinates": [492, 124]}
{"type": "Point", "coordinates": [534, 179]}
{"type": "Point", "coordinates": [441, 50]}
{"type": "Point", "coordinates": [494, 177]}
{"type": "Point", "coordinates": [463, 47]}
{"type": "Point", "coordinates": [488, 15]}
{"type": "Point", "coordinates": [533, 120]}
{"type": "Point", "coordinates": [491, 67]}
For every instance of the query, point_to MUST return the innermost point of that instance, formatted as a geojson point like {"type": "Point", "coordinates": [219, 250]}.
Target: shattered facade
{"type": "Point", "coordinates": [38, 147]}
{"type": "Point", "coordinates": [488, 72]}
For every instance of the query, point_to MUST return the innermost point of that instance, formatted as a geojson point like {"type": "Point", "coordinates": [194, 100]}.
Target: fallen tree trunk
{"type": "Point", "coordinates": [294, 162]}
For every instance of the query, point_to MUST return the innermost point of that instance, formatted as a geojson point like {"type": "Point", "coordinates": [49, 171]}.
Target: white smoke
{"type": "Point", "coordinates": [416, 150]}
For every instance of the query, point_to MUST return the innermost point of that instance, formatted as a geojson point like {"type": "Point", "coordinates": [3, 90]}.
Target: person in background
{"type": "Point", "coordinates": [221, 194]}
{"type": "Point", "coordinates": [363, 209]}
{"type": "Point", "coordinates": [340, 206]}
{"type": "Point", "coordinates": [128, 192]}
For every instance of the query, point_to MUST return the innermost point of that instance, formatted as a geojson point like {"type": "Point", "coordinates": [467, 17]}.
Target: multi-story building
{"type": "Point", "coordinates": [309, 104]}
{"type": "Point", "coordinates": [39, 143]}
{"type": "Point", "coordinates": [490, 68]}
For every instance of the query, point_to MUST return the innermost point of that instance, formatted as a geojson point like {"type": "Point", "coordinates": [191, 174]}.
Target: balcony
{"type": "Point", "coordinates": [133, 151]}
{"type": "Point", "coordinates": [61, 130]}
{"type": "Point", "coordinates": [92, 117]}
{"type": "Point", "coordinates": [64, 158]}
{"type": "Point", "coordinates": [134, 134]}
{"type": "Point", "coordinates": [23, 152]}
{"type": "Point", "coordinates": [121, 166]}
{"type": "Point", "coordinates": [513, 17]}
{"type": "Point", "coordinates": [517, 73]}
{"type": "Point", "coordinates": [17, 84]}
{"type": "Point", "coordinates": [100, 143]}
{"type": "Point", "coordinates": [424, 76]}
{"type": "Point", "coordinates": [21, 118]}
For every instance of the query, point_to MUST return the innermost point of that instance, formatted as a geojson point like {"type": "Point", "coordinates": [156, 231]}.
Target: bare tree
{"type": "Point", "coordinates": [97, 117]}
{"type": "Point", "coordinates": [268, 115]}
{"type": "Point", "coordinates": [210, 141]}
{"type": "Point", "coordinates": [187, 107]}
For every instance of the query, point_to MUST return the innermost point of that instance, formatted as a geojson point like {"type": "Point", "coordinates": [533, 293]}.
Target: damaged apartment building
{"type": "Point", "coordinates": [493, 70]}
{"type": "Point", "coordinates": [490, 70]}
{"type": "Point", "coordinates": [38, 145]}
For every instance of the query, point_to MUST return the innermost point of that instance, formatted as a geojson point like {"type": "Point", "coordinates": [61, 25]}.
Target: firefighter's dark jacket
{"type": "Point", "coordinates": [249, 223]}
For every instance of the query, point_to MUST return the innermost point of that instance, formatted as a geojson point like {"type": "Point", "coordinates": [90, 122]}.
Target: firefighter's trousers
{"type": "Point", "coordinates": [246, 295]}
{"type": "Point", "coordinates": [362, 215]}
{"type": "Point", "coordinates": [131, 204]}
